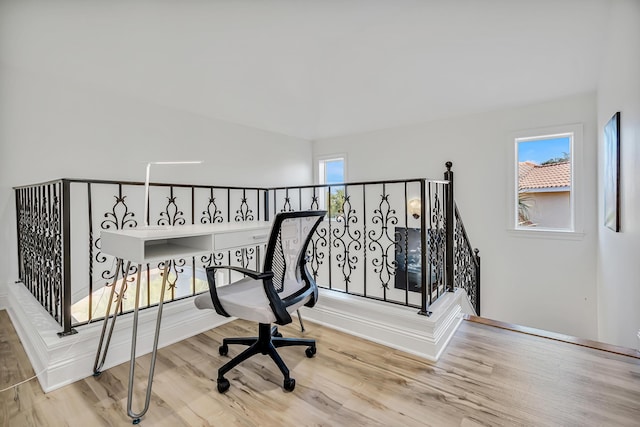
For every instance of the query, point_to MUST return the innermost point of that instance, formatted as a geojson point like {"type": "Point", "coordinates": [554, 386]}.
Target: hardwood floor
{"type": "Point", "coordinates": [487, 376]}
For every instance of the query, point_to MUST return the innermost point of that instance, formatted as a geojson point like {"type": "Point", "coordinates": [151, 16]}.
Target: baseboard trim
{"type": "Point", "coordinates": [4, 298]}
{"type": "Point", "coordinates": [61, 361]}
{"type": "Point", "coordinates": [610, 348]}
{"type": "Point", "coordinates": [391, 325]}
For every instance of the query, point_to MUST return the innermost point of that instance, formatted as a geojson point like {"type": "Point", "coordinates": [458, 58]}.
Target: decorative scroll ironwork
{"type": "Point", "coordinates": [436, 241]}
{"type": "Point", "coordinates": [340, 246]}
{"type": "Point", "coordinates": [173, 273]}
{"type": "Point", "coordinates": [287, 203]}
{"type": "Point", "coordinates": [244, 256]}
{"type": "Point", "coordinates": [212, 214]}
{"type": "Point", "coordinates": [347, 239]}
{"type": "Point", "coordinates": [118, 218]}
{"type": "Point", "coordinates": [40, 247]}
{"type": "Point", "coordinates": [41, 241]}
{"type": "Point", "coordinates": [244, 213]}
{"type": "Point", "coordinates": [437, 212]}
{"type": "Point", "coordinates": [381, 240]}
{"type": "Point", "coordinates": [466, 262]}
{"type": "Point", "coordinates": [315, 251]}
{"type": "Point", "coordinates": [172, 215]}
{"type": "Point", "coordinates": [212, 259]}
{"type": "Point", "coordinates": [314, 201]}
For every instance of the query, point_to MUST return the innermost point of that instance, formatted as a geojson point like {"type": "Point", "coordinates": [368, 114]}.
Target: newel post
{"type": "Point", "coordinates": [449, 228]}
{"type": "Point", "coordinates": [477, 264]}
{"type": "Point", "coordinates": [65, 268]}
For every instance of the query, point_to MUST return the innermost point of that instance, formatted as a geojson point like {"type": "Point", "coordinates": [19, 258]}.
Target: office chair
{"type": "Point", "coordinates": [269, 296]}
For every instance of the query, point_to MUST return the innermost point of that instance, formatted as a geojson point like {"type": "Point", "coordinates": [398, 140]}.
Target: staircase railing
{"type": "Point", "coordinates": [463, 262]}
{"type": "Point", "coordinates": [466, 264]}
{"type": "Point", "coordinates": [371, 244]}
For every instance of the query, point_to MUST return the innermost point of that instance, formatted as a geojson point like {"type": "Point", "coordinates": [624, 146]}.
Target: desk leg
{"type": "Point", "coordinates": [101, 354]}
{"type": "Point", "coordinates": [136, 416]}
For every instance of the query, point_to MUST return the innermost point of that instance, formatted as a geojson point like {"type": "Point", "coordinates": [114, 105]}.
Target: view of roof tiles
{"type": "Point", "coordinates": [532, 176]}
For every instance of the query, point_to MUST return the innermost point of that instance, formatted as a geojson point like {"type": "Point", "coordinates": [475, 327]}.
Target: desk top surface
{"type": "Point", "coordinates": [146, 244]}
{"type": "Point", "coordinates": [168, 232]}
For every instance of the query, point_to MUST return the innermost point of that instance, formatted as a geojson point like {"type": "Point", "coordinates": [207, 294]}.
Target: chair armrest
{"type": "Point", "coordinates": [213, 291]}
{"type": "Point", "coordinates": [257, 275]}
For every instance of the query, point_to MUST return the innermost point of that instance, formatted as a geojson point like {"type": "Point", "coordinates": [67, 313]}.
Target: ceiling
{"type": "Point", "coordinates": [315, 69]}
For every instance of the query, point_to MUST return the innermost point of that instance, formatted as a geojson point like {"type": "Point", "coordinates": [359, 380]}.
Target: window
{"type": "Point", "coordinates": [544, 196]}
{"type": "Point", "coordinates": [331, 170]}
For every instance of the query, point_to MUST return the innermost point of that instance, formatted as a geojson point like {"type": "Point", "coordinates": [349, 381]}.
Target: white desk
{"type": "Point", "coordinates": [162, 244]}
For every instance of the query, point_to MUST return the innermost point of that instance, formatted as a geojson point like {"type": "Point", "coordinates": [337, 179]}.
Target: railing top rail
{"type": "Point", "coordinates": [342, 184]}
{"type": "Point", "coordinates": [157, 184]}
{"type": "Point", "coordinates": [40, 184]}
{"type": "Point", "coordinates": [164, 184]}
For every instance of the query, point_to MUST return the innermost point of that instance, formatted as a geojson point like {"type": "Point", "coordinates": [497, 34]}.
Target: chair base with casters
{"type": "Point", "coordinates": [268, 297]}
{"type": "Point", "coordinates": [267, 341]}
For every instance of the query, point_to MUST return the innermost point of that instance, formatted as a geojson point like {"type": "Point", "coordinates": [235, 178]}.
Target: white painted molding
{"type": "Point", "coordinates": [61, 361]}
{"type": "Point", "coordinates": [4, 298]}
{"type": "Point", "coordinates": [392, 325]}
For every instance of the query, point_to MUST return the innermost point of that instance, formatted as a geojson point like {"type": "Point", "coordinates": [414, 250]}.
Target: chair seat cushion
{"type": "Point", "coordinates": [246, 299]}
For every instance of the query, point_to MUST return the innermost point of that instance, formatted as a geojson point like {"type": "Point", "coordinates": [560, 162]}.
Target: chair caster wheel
{"type": "Point", "coordinates": [310, 352]}
{"type": "Point", "coordinates": [223, 385]}
{"type": "Point", "coordinates": [289, 384]}
{"type": "Point", "coordinates": [223, 350]}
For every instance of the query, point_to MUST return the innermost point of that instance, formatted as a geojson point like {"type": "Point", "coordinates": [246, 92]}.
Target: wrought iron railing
{"type": "Point", "coordinates": [370, 245]}
{"type": "Point", "coordinates": [64, 267]}
{"type": "Point", "coordinates": [44, 250]}
{"type": "Point", "coordinates": [463, 261]}
{"type": "Point", "coordinates": [467, 264]}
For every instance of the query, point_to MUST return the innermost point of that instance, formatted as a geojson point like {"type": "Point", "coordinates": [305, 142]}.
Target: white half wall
{"type": "Point", "coordinates": [538, 282]}
{"type": "Point", "coordinates": [618, 266]}
{"type": "Point", "coordinates": [52, 128]}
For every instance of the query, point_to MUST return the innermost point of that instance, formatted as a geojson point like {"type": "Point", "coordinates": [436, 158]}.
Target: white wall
{"type": "Point", "coordinates": [618, 266]}
{"type": "Point", "coordinates": [550, 209]}
{"type": "Point", "coordinates": [538, 282]}
{"type": "Point", "coordinates": [53, 128]}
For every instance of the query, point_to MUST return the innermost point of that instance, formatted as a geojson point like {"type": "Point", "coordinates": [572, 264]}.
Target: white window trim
{"type": "Point", "coordinates": [325, 158]}
{"type": "Point", "coordinates": [577, 181]}
{"type": "Point", "coordinates": [316, 171]}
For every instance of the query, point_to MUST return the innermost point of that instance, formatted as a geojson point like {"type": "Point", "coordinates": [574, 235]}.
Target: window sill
{"type": "Point", "coordinates": [546, 234]}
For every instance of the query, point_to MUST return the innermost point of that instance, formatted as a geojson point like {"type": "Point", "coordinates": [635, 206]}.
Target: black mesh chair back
{"type": "Point", "coordinates": [270, 296]}
{"type": "Point", "coordinates": [287, 248]}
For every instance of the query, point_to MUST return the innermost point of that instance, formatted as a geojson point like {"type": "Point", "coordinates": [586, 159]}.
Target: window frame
{"type": "Point", "coordinates": [320, 166]}
{"type": "Point", "coordinates": [320, 175]}
{"type": "Point", "coordinates": [576, 142]}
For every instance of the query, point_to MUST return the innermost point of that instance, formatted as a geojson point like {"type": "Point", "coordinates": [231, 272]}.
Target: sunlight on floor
{"type": "Point", "coordinates": [179, 285]}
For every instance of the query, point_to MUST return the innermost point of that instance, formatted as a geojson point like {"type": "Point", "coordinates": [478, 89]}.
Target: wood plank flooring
{"type": "Point", "coordinates": [487, 377]}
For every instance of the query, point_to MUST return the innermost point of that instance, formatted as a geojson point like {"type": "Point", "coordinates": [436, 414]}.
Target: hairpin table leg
{"type": "Point", "coordinates": [136, 416]}
{"type": "Point", "coordinates": [101, 354]}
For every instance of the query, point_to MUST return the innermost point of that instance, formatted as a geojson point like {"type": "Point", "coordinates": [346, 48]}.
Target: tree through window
{"type": "Point", "coordinates": [332, 171]}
